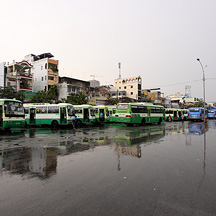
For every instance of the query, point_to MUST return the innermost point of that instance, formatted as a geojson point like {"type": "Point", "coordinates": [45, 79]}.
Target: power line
{"type": "Point", "coordinates": [182, 83]}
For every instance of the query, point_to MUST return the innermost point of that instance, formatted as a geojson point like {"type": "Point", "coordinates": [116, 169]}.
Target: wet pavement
{"type": "Point", "coordinates": [167, 169]}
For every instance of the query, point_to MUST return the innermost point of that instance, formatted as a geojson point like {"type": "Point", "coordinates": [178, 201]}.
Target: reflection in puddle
{"type": "Point", "coordinates": [34, 152]}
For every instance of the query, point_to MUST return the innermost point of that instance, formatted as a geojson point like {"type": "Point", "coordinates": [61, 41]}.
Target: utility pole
{"type": "Point", "coordinates": [203, 86]}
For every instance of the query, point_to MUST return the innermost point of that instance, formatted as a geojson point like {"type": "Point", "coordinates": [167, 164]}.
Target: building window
{"type": "Point", "coordinates": [46, 66]}
{"type": "Point", "coordinates": [131, 93]}
{"type": "Point", "coordinates": [131, 86]}
{"type": "Point", "coordinates": [125, 87]}
{"type": "Point", "coordinates": [45, 77]}
{"type": "Point", "coordinates": [41, 78]}
{"type": "Point", "coordinates": [41, 67]}
{"type": "Point", "coordinates": [8, 84]}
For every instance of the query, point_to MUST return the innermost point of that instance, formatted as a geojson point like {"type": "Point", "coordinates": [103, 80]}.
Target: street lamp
{"type": "Point", "coordinates": [203, 85]}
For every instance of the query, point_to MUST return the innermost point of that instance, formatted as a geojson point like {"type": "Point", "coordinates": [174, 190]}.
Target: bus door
{"type": "Point", "coordinates": [175, 114]}
{"type": "Point", "coordinates": [1, 116]}
{"type": "Point", "coordinates": [101, 115]}
{"type": "Point", "coordinates": [32, 112]}
{"type": "Point", "coordinates": [63, 115]}
{"type": "Point", "coordinates": [148, 112]}
{"type": "Point", "coordinates": [86, 115]}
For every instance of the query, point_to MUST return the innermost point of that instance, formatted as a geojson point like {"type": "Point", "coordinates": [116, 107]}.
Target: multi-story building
{"type": "Point", "coordinates": [69, 85]}
{"type": "Point", "coordinates": [3, 72]}
{"type": "Point", "coordinates": [132, 86]}
{"type": "Point", "coordinates": [45, 71]}
{"type": "Point", "coordinates": [19, 75]}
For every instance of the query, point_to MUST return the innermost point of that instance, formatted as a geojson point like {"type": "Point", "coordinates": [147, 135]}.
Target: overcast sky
{"type": "Point", "coordinates": [160, 40]}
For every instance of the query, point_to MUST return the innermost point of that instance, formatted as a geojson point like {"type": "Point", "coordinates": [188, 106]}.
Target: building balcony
{"type": "Point", "coordinates": [52, 72]}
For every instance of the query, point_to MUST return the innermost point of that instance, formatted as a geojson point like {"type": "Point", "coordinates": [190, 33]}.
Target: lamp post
{"type": "Point", "coordinates": [203, 85]}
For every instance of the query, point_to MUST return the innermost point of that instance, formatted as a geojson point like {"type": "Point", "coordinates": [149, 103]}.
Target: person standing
{"type": "Point", "coordinates": [182, 117]}
{"type": "Point", "coordinates": [74, 119]}
{"type": "Point", "coordinates": [101, 116]}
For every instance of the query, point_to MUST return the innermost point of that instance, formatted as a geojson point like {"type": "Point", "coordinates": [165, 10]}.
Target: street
{"type": "Point", "coordinates": [166, 169]}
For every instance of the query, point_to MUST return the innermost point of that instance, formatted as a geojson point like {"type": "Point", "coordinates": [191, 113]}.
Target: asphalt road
{"type": "Point", "coordinates": [166, 169]}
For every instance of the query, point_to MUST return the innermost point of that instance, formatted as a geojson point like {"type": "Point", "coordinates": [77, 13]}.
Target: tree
{"type": "Point", "coordinates": [77, 98]}
{"type": "Point", "coordinates": [46, 97]}
{"type": "Point", "coordinates": [126, 100]}
{"type": "Point", "coordinates": [10, 93]}
{"type": "Point", "coordinates": [111, 101]}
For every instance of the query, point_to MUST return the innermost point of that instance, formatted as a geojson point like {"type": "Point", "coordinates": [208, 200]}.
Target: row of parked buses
{"type": "Point", "coordinates": [14, 114]}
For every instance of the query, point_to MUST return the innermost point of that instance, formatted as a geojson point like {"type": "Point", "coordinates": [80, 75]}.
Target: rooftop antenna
{"type": "Point", "coordinates": [119, 65]}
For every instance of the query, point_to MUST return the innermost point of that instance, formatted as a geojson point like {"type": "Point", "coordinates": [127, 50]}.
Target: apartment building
{"type": "Point", "coordinates": [69, 85]}
{"type": "Point", "coordinates": [132, 86]}
{"type": "Point", "coordinates": [45, 70]}
{"type": "Point", "coordinates": [19, 75]}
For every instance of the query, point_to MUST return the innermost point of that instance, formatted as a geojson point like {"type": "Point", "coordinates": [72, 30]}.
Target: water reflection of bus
{"type": "Point", "coordinates": [128, 142]}
{"type": "Point", "coordinates": [11, 114]}
{"type": "Point", "coordinates": [196, 128]}
{"type": "Point", "coordinates": [48, 114]}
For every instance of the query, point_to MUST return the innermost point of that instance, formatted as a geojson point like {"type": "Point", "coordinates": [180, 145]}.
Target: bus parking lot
{"type": "Point", "coordinates": [114, 169]}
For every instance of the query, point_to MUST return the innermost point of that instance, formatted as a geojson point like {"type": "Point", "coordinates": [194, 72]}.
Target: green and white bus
{"type": "Point", "coordinates": [105, 113]}
{"type": "Point", "coordinates": [174, 113]}
{"type": "Point", "coordinates": [139, 113]}
{"type": "Point", "coordinates": [112, 111]}
{"type": "Point", "coordinates": [11, 114]}
{"type": "Point", "coordinates": [85, 114]}
{"type": "Point", "coordinates": [48, 114]}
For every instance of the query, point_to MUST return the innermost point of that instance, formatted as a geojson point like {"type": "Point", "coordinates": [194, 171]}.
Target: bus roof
{"type": "Point", "coordinates": [1, 100]}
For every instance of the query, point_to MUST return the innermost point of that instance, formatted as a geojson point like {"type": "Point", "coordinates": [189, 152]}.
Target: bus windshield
{"type": "Point", "coordinates": [13, 109]}
{"type": "Point", "coordinates": [195, 110]}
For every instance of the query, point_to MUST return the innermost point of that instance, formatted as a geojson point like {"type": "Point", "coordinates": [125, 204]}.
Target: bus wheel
{"type": "Point", "coordinates": [143, 122]}
{"type": "Point", "coordinates": [160, 120]}
{"type": "Point", "coordinates": [54, 124]}
{"type": "Point", "coordinates": [79, 123]}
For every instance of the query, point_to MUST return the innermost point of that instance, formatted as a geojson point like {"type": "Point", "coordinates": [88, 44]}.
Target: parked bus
{"type": "Point", "coordinates": [11, 114]}
{"type": "Point", "coordinates": [48, 114]}
{"type": "Point", "coordinates": [174, 113]}
{"type": "Point", "coordinates": [211, 114]}
{"type": "Point", "coordinates": [196, 114]}
{"type": "Point", "coordinates": [139, 113]}
{"type": "Point", "coordinates": [101, 113]}
{"type": "Point", "coordinates": [112, 111]}
{"type": "Point", "coordinates": [85, 114]}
